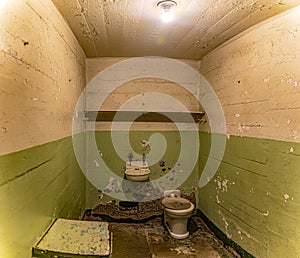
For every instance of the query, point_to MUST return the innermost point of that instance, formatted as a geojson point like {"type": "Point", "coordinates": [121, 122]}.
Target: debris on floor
{"type": "Point", "coordinates": [130, 211]}
{"type": "Point", "coordinates": [136, 234]}
{"type": "Point", "coordinates": [152, 240]}
{"type": "Point", "coordinates": [199, 244]}
{"type": "Point", "coordinates": [129, 241]}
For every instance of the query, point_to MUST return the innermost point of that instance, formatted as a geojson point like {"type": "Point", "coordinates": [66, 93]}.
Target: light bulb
{"type": "Point", "coordinates": [167, 16]}
{"type": "Point", "coordinates": [167, 9]}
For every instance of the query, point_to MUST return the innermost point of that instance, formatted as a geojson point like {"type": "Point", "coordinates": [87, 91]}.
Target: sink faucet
{"type": "Point", "coordinates": [130, 157]}
{"type": "Point", "coordinates": [144, 158]}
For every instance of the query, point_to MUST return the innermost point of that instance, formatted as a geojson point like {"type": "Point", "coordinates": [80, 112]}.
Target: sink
{"type": "Point", "coordinates": [137, 171]}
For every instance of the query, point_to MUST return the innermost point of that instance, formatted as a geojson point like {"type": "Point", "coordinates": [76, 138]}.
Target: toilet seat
{"type": "Point", "coordinates": [176, 203]}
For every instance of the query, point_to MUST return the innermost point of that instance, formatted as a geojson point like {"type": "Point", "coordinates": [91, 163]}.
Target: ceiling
{"type": "Point", "coordinates": [127, 28]}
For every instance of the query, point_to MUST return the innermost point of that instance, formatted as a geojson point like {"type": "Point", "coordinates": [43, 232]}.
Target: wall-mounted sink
{"type": "Point", "coordinates": [137, 171]}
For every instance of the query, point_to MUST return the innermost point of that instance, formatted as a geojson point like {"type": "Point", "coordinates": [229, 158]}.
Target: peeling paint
{"type": "Point", "coordinates": [96, 163]}
{"type": "Point", "coordinates": [222, 184]}
{"type": "Point", "coordinates": [286, 197]}
{"type": "Point", "coordinates": [294, 134]}
{"type": "Point", "coordinates": [240, 127]}
{"type": "Point", "coordinates": [226, 228]}
{"type": "Point", "coordinates": [272, 72]}
{"type": "Point", "coordinates": [145, 144]}
{"type": "Point", "coordinates": [267, 79]}
{"type": "Point", "coordinates": [293, 82]}
{"type": "Point", "coordinates": [242, 232]}
{"type": "Point", "coordinates": [113, 186]}
{"type": "Point", "coordinates": [265, 213]}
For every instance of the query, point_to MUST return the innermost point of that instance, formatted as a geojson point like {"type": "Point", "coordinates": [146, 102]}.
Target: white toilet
{"type": "Point", "coordinates": [177, 210]}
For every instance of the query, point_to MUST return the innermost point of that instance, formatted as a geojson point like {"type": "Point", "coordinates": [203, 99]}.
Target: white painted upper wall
{"type": "Point", "coordinates": [42, 73]}
{"type": "Point", "coordinates": [142, 94]}
{"type": "Point", "coordinates": [257, 79]}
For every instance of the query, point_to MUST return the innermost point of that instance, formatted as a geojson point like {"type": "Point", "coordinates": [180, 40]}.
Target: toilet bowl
{"type": "Point", "coordinates": [177, 211]}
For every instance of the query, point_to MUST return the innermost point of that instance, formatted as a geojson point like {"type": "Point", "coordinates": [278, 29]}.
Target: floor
{"type": "Point", "coordinates": [151, 239]}
{"type": "Point", "coordinates": [142, 240]}
{"type": "Point", "coordinates": [137, 231]}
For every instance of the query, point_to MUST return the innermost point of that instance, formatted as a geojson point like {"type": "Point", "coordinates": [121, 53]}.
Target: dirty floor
{"type": "Point", "coordinates": [137, 231]}
{"type": "Point", "coordinates": [151, 239]}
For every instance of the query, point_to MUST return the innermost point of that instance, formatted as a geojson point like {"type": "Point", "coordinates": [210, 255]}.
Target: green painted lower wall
{"type": "Point", "coordinates": [254, 197]}
{"type": "Point", "coordinates": [37, 185]}
{"type": "Point", "coordinates": [117, 165]}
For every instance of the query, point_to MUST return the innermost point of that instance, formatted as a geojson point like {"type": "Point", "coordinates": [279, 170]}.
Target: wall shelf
{"type": "Point", "coordinates": [143, 116]}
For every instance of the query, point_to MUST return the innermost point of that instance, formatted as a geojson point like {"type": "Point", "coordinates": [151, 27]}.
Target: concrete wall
{"type": "Point", "coordinates": [254, 198]}
{"type": "Point", "coordinates": [42, 73]}
{"type": "Point", "coordinates": [115, 100]}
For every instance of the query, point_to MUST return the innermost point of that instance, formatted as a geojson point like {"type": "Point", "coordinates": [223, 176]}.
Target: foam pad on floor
{"type": "Point", "coordinates": [76, 237]}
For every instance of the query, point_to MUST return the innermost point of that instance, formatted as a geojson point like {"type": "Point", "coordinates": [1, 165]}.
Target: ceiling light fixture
{"type": "Point", "coordinates": [167, 6]}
